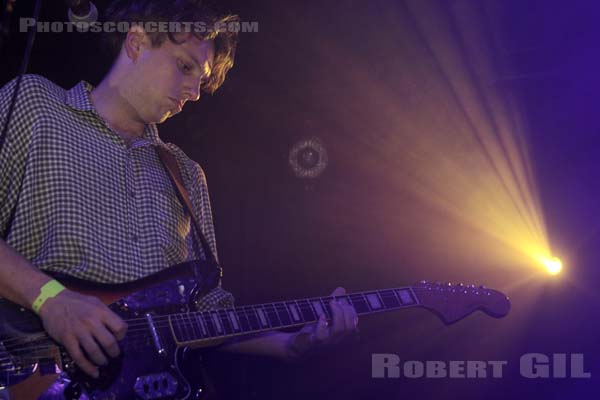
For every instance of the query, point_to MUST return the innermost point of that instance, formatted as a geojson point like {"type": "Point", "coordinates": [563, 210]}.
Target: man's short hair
{"type": "Point", "coordinates": [178, 11]}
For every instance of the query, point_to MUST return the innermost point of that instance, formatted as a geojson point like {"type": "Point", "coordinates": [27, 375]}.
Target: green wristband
{"type": "Point", "coordinates": [48, 291]}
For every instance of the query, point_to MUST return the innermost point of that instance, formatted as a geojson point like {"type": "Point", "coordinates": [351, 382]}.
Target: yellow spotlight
{"type": "Point", "coordinates": [553, 265]}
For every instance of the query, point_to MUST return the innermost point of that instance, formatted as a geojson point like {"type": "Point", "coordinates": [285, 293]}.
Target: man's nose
{"type": "Point", "coordinates": [192, 90]}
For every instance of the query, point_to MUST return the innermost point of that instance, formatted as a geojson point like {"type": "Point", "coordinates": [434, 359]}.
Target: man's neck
{"type": "Point", "coordinates": [118, 114]}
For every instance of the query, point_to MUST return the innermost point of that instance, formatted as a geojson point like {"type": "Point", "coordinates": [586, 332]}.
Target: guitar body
{"type": "Point", "coordinates": [149, 364]}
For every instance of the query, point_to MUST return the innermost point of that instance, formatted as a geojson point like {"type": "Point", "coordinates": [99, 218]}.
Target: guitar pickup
{"type": "Point", "coordinates": [156, 386]}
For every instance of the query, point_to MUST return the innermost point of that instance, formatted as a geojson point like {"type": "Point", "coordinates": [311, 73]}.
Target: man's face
{"type": "Point", "coordinates": [168, 76]}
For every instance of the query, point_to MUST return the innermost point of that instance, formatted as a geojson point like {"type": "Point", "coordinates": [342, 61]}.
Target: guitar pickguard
{"type": "Point", "coordinates": [149, 366]}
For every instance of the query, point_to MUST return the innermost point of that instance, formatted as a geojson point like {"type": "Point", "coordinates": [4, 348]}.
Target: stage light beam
{"type": "Point", "coordinates": [446, 142]}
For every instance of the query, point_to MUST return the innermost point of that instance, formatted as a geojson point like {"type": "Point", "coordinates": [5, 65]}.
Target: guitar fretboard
{"type": "Point", "coordinates": [202, 325]}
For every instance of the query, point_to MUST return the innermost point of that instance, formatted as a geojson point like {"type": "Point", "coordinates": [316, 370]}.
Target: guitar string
{"type": "Point", "coordinates": [145, 333]}
{"type": "Point", "coordinates": [282, 305]}
{"type": "Point", "coordinates": [132, 334]}
{"type": "Point", "coordinates": [133, 344]}
{"type": "Point", "coordinates": [186, 318]}
{"type": "Point", "coordinates": [160, 320]}
{"type": "Point", "coordinates": [136, 344]}
{"type": "Point", "coordinates": [304, 304]}
{"type": "Point", "coordinates": [275, 304]}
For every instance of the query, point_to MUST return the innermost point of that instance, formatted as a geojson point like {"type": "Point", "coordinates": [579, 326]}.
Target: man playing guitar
{"type": "Point", "coordinates": [84, 194]}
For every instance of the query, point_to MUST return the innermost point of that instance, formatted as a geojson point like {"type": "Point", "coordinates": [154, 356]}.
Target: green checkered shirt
{"type": "Point", "coordinates": [77, 199]}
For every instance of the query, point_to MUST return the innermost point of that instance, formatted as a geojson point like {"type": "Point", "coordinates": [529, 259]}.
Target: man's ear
{"type": "Point", "coordinates": [135, 41]}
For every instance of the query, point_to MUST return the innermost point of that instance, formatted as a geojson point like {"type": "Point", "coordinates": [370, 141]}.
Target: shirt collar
{"type": "Point", "coordinates": [151, 134]}
{"type": "Point", "coordinates": [78, 98]}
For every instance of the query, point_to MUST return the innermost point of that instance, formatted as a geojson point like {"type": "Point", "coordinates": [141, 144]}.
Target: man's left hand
{"type": "Point", "coordinates": [344, 323]}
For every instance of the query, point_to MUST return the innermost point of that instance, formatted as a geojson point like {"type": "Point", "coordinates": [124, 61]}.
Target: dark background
{"type": "Point", "coordinates": [280, 237]}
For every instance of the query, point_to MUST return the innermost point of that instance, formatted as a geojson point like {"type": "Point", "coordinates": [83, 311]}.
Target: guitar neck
{"type": "Point", "coordinates": [189, 328]}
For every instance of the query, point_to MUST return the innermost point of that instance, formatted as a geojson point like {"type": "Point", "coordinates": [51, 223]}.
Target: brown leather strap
{"type": "Point", "coordinates": [170, 163]}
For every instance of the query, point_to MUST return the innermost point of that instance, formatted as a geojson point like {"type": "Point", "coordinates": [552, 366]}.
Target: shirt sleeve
{"type": "Point", "coordinates": [13, 150]}
{"type": "Point", "coordinates": [216, 298]}
{"type": "Point", "coordinates": [203, 207]}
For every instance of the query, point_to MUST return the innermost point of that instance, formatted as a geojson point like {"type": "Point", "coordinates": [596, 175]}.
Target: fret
{"type": "Point", "coordinates": [350, 301]}
{"type": "Point", "coordinates": [184, 327]}
{"type": "Point", "coordinates": [294, 312]}
{"type": "Point", "coordinates": [252, 318]}
{"type": "Point", "coordinates": [271, 313]}
{"type": "Point", "coordinates": [193, 325]}
{"type": "Point", "coordinates": [378, 294]}
{"type": "Point", "coordinates": [406, 296]}
{"type": "Point", "coordinates": [243, 319]}
{"type": "Point", "coordinates": [313, 309]}
{"type": "Point", "coordinates": [225, 321]}
{"type": "Point", "coordinates": [234, 321]}
{"type": "Point", "coordinates": [326, 307]}
{"type": "Point", "coordinates": [396, 295]}
{"type": "Point", "coordinates": [201, 325]}
{"type": "Point", "coordinates": [318, 307]}
{"type": "Point", "coordinates": [389, 299]}
{"type": "Point", "coordinates": [306, 310]}
{"type": "Point", "coordinates": [262, 317]}
{"type": "Point", "coordinates": [374, 301]}
{"type": "Point", "coordinates": [283, 313]}
{"type": "Point", "coordinates": [179, 330]}
{"type": "Point", "coordinates": [173, 324]}
{"type": "Point", "coordinates": [205, 315]}
{"type": "Point", "coordinates": [217, 322]}
{"type": "Point", "coordinates": [361, 305]}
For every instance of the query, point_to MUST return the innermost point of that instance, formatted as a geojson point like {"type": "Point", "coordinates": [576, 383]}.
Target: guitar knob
{"type": "Point", "coordinates": [123, 306]}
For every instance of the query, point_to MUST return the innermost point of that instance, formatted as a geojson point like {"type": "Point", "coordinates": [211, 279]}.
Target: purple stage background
{"type": "Point", "coordinates": [282, 238]}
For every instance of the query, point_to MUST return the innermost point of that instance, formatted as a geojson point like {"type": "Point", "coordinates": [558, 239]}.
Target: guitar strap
{"type": "Point", "coordinates": [208, 277]}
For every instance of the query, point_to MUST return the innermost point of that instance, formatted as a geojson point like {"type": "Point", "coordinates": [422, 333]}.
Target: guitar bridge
{"type": "Point", "coordinates": [155, 386]}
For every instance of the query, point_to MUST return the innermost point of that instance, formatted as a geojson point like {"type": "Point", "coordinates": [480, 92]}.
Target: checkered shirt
{"type": "Point", "coordinates": [77, 199]}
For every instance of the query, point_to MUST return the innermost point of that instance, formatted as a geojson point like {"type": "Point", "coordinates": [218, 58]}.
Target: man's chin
{"type": "Point", "coordinates": [164, 117]}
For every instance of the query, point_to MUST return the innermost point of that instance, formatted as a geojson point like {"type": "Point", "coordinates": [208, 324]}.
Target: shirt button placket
{"type": "Point", "coordinates": [131, 201]}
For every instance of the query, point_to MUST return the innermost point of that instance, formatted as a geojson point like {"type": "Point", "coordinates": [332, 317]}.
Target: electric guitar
{"type": "Point", "coordinates": [164, 324]}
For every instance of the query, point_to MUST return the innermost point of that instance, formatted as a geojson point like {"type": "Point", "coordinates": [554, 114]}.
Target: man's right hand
{"type": "Point", "coordinates": [83, 322]}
